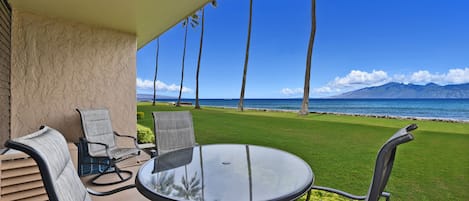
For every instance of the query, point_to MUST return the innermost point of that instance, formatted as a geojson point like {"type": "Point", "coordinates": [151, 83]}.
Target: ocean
{"type": "Point", "coordinates": [442, 109]}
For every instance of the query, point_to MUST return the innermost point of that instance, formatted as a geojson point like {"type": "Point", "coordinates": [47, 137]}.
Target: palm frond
{"type": "Point", "coordinates": [214, 3]}
{"type": "Point", "coordinates": [194, 24]}
{"type": "Point", "coordinates": [165, 183]}
{"type": "Point", "coordinates": [189, 188]}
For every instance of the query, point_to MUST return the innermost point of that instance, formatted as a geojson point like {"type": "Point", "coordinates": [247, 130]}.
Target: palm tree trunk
{"type": "Point", "coordinates": [248, 158]}
{"type": "Point", "coordinates": [305, 103]}
{"type": "Point", "coordinates": [156, 70]}
{"type": "Point", "coordinates": [202, 171]}
{"type": "Point", "coordinates": [197, 106]}
{"type": "Point", "coordinates": [182, 71]}
{"type": "Point", "coordinates": [243, 86]}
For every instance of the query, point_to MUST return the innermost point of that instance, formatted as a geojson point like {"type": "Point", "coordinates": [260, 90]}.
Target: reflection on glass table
{"type": "Point", "coordinates": [225, 172]}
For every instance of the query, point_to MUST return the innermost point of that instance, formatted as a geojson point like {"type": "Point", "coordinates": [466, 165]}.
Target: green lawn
{"type": "Point", "coordinates": [342, 149]}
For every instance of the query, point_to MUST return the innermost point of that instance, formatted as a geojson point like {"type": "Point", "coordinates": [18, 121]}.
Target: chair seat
{"type": "Point", "coordinates": [118, 153]}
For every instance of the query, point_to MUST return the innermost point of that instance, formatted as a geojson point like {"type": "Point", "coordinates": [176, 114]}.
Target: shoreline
{"type": "Point", "coordinates": [434, 119]}
{"type": "Point", "coordinates": [398, 117]}
{"type": "Point", "coordinates": [351, 114]}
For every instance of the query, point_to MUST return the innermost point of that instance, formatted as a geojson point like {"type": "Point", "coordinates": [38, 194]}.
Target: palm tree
{"type": "Point", "coordinates": [156, 69]}
{"type": "Point", "coordinates": [189, 189]}
{"type": "Point", "coordinates": [243, 86]}
{"type": "Point", "coordinates": [197, 105]}
{"type": "Point", "coordinates": [193, 20]}
{"type": "Point", "coordinates": [164, 183]}
{"type": "Point", "coordinates": [305, 103]}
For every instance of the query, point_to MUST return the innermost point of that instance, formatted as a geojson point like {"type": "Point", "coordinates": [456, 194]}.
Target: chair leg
{"type": "Point", "coordinates": [308, 196]}
{"type": "Point", "coordinates": [116, 171]}
{"type": "Point", "coordinates": [137, 157]}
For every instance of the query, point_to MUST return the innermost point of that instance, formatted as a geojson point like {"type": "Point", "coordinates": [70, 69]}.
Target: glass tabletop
{"type": "Point", "coordinates": [225, 172]}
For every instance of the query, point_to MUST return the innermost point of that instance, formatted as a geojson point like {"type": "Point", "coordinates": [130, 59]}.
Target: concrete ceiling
{"type": "Point", "coordinates": [146, 18]}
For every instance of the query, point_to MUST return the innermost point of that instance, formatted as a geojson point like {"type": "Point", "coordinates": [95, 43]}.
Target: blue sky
{"type": "Point", "coordinates": [358, 44]}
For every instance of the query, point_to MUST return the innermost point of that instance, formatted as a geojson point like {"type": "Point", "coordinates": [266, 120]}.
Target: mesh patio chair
{"type": "Point", "coordinates": [383, 167]}
{"type": "Point", "coordinates": [101, 141]}
{"type": "Point", "coordinates": [50, 151]}
{"type": "Point", "coordinates": [173, 131]}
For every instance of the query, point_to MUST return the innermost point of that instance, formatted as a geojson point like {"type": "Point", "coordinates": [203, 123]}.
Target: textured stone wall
{"type": "Point", "coordinates": [58, 66]}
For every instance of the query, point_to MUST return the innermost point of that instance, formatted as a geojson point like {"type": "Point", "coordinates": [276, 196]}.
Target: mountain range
{"type": "Point", "coordinates": [400, 90]}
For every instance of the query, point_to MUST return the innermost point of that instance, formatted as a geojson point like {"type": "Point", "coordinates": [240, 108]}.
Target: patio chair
{"type": "Point", "coordinates": [50, 151]}
{"type": "Point", "coordinates": [101, 141]}
{"type": "Point", "coordinates": [173, 131]}
{"type": "Point", "coordinates": [383, 167]}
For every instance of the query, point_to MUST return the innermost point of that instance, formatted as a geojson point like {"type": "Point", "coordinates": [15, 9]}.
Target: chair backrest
{"type": "Point", "coordinates": [97, 127]}
{"type": "Point", "coordinates": [385, 160]}
{"type": "Point", "coordinates": [50, 151]}
{"type": "Point", "coordinates": [173, 131]}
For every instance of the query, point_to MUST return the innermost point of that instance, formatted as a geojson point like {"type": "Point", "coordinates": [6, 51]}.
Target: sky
{"type": "Point", "coordinates": [358, 44]}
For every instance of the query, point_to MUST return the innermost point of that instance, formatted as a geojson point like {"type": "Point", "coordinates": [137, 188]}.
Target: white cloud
{"type": "Point", "coordinates": [400, 78]}
{"type": "Point", "coordinates": [457, 76]}
{"type": "Point", "coordinates": [160, 86]}
{"type": "Point", "coordinates": [144, 84]}
{"type": "Point", "coordinates": [326, 89]}
{"type": "Point", "coordinates": [354, 80]}
{"type": "Point", "coordinates": [453, 76]}
{"type": "Point", "coordinates": [291, 92]}
{"type": "Point", "coordinates": [358, 79]}
{"type": "Point", "coordinates": [423, 76]}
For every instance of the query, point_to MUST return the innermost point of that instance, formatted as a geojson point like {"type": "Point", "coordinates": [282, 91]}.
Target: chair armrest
{"type": "Point", "coordinates": [99, 143]}
{"type": "Point", "coordinates": [128, 136]}
{"type": "Point", "coordinates": [342, 193]}
{"type": "Point", "coordinates": [92, 192]}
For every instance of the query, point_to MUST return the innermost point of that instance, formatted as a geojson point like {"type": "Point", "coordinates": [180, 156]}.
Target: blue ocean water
{"type": "Point", "coordinates": [452, 109]}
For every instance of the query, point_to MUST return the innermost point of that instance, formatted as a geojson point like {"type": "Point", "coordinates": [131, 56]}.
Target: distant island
{"type": "Point", "coordinates": [400, 90]}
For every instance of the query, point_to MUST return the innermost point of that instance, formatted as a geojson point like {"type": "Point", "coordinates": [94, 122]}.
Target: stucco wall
{"type": "Point", "coordinates": [58, 66]}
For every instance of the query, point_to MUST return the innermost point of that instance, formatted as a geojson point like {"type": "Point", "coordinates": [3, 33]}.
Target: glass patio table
{"type": "Point", "coordinates": [225, 172]}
